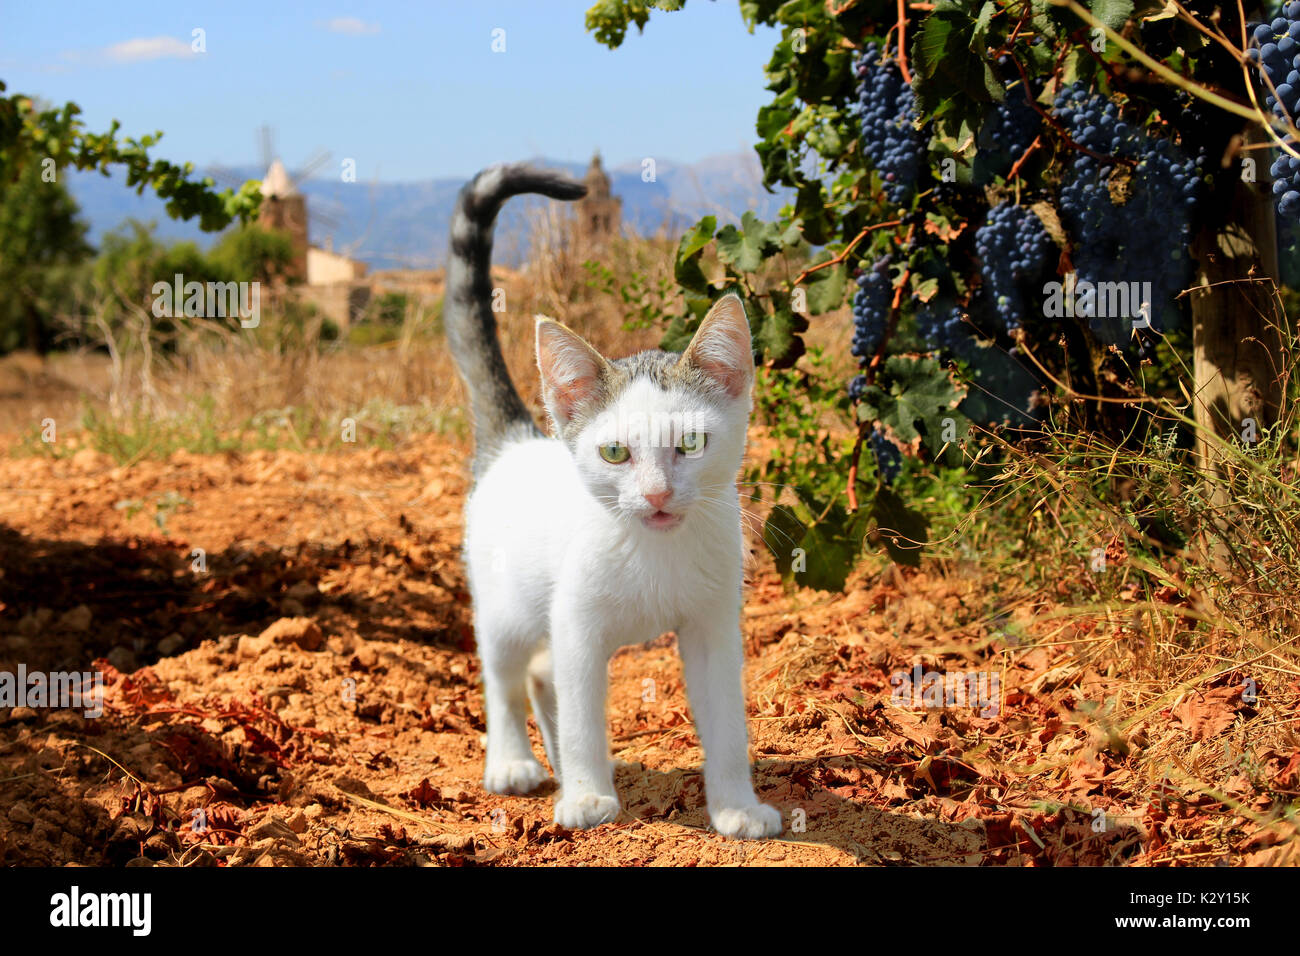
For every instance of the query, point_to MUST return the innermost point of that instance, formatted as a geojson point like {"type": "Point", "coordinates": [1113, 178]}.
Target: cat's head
{"type": "Point", "coordinates": [657, 437]}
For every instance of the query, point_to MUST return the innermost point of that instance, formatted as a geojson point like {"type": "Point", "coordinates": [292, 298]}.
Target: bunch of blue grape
{"type": "Point", "coordinates": [1130, 227]}
{"type": "Point", "coordinates": [1005, 136]}
{"type": "Point", "coordinates": [886, 108]}
{"type": "Point", "coordinates": [889, 460]}
{"type": "Point", "coordinates": [1286, 186]}
{"type": "Point", "coordinates": [871, 307]}
{"type": "Point", "coordinates": [1013, 248]}
{"type": "Point", "coordinates": [941, 326]}
{"type": "Point", "coordinates": [1277, 51]}
{"type": "Point", "coordinates": [1013, 124]}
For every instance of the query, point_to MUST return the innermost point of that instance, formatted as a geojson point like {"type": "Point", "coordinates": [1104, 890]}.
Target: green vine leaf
{"type": "Point", "coordinates": [686, 267]}
{"type": "Point", "coordinates": [954, 83]}
{"type": "Point", "coordinates": [744, 250]}
{"type": "Point", "coordinates": [819, 555]}
{"type": "Point", "coordinates": [826, 290]}
{"type": "Point", "coordinates": [1113, 13]}
{"type": "Point", "coordinates": [919, 392]}
{"type": "Point", "coordinates": [777, 333]}
{"type": "Point", "coordinates": [782, 533]}
{"type": "Point", "coordinates": [829, 557]}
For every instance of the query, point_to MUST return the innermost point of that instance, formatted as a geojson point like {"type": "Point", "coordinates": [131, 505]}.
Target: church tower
{"type": "Point", "coordinates": [599, 213]}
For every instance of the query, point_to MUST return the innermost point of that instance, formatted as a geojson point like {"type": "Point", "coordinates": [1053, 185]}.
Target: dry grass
{"type": "Point", "coordinates": [212, 379]}
{"type": "Point", "coordinates": [1179, 585]}
{"type": "Point", "coordinates": [287, 386]}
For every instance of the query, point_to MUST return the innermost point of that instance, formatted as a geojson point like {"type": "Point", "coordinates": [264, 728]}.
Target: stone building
{"type": "Point", "coordinates": [333, 283]}
{"type": "Point", "coordinates": [285, 210]}
{"type": "Point", "coordinates": [599, 214]}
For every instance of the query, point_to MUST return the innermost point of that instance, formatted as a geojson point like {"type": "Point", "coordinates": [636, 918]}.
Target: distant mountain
{"type": "Point", "coordinates": [396, 225]}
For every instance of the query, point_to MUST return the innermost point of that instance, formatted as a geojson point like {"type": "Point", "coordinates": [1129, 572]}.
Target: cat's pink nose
{"type": "Point", "coordinates": [659, 499]}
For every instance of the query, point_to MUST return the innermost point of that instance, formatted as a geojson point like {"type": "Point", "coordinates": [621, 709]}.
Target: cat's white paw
{"type": "Point", "coordinates": [585, 810]}
{"type": "Point", "coordinates": [513, 776]}
{"type": "Point", "coordinates": [749, 823]}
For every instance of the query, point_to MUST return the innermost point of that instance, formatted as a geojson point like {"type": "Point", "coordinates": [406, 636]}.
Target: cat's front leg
{"type": "Point", "coordinates": [581, 672]}
{"type": "Point", "coordinates": [713, 659]}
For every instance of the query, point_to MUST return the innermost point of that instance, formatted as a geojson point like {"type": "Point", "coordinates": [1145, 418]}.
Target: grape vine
{"type": "Point", "coordinates": [1130, 217]}
{"type": "Point", "coordinates": [886, 109]}
{"type": "Point", "coordinates": [1006, 193]}
{"type": "Point", "coordinates": [1013, 248]}
{"type": "Point", "coordinates": [1277, 51]}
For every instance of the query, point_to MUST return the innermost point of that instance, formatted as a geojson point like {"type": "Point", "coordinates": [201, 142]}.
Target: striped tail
{"type": "Point", "coordinates": [498, 411]}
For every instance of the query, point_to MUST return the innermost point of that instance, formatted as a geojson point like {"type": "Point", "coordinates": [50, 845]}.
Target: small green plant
{"type": "Point", "coordinates": [164, 506]}
{"type": "Point", "coordinates": [366, 334]}
{"type": "Point", "coordinates": [389, 309]}
{"type": "Point", "coordinates": [645, 299]}
{"type": "Point", "coordinates": [140, 434]}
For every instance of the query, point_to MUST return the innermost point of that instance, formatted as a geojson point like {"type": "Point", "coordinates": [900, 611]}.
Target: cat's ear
{"type": "Point", "coordinates": [722, 349]}
{"type": "Point", "coordinates": [572, 371]}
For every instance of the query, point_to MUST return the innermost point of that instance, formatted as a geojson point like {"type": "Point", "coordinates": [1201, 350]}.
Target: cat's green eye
{"type": "Point", "coordinates": [692, 443]}
{"type": "Point", "coordinates": [614, 453]}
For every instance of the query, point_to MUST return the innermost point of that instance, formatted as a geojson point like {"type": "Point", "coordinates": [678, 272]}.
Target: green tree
{"type": "Point", "coordinates": [41, 240]}
{"type": "Point", "coordinates": [253, 254]}
{"type": "Point", "coordinates": [132, 261]}
{"type": "Point", "coordinates": [30, 134]}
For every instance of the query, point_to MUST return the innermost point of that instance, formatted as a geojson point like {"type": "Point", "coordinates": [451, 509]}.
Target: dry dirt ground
{"type": "Point", "coordinates": [290, 680]}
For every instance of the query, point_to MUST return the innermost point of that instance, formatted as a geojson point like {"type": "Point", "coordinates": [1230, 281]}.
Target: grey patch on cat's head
{"type": "Point", "coordinates": [664, 369]}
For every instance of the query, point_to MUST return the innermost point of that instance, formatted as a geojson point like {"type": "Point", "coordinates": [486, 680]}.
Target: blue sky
{"type": "Point", "coordinates": [410, 91]}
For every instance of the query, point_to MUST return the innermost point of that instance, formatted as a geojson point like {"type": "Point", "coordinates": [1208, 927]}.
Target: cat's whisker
{"type": "Point", "coordinates": [757, 519]}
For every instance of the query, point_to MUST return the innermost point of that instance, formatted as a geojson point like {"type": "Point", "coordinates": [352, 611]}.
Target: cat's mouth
{"type": "Point", "coordinates": [662, 520]}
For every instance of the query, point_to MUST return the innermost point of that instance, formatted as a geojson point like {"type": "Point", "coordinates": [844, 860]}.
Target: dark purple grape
{"type": "Point", "coordinates": [1013, 248]}
{"type": "Point", "coordinates": [1138, 248]}
{"type": "Point", "coordinates": [886, 110]}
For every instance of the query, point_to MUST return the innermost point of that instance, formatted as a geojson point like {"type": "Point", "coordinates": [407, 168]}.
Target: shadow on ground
{"type": "Point", "coordinates": [133, 600]}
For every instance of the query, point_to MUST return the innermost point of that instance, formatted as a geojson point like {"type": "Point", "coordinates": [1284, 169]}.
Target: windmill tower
{"type": "Point", "coordinates": [284, 208]}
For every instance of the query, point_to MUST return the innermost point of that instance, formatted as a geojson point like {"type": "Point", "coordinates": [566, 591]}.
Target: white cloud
{"type": "Point", "coordinates": [148, 48]}
{"type": "Point", "coordinates": [351, 26]}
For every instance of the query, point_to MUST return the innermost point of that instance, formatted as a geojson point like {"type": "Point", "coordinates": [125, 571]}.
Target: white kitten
{"type": "Point", "coordinates": [624, 526]}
